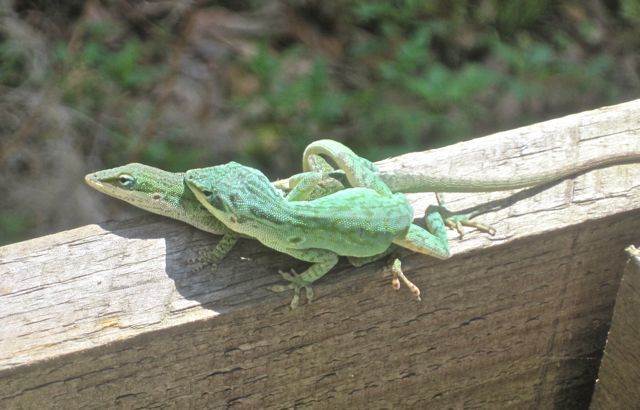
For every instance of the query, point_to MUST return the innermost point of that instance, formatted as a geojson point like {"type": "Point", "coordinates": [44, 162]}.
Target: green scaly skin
{"type": "Point", "coordinates": [165, 193]}
{"type": "Point", "coordinates": [363, 221]}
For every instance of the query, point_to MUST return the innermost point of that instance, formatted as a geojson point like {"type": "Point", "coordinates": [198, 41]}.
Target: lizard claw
{"type": "Point", "coordinates": [455, 224]}
{"type": "Point", "coordinates": [459, 221]}
{"type": "Point", "coordinates": [296, 283]}
{"type": "Point", "coordinates": [398, 275]}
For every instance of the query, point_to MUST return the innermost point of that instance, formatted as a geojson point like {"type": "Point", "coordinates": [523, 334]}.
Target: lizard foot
{"type": "Point", "coordinates": [632, 250]}
{"type": "Point", "coordinates": [197, 267]}
{"type": "Point", "coordinates": [398, 275]}
{"type": "Point", "coordinates": [296, 283]}
{"type": "Point", "coordinates": [457, 221]}
{"type": "Point", "coordinates": [203, 259]}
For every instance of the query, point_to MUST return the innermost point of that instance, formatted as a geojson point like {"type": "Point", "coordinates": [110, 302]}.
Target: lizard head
{"type": "Point", "coordinates": [232, 192]}
{"type": "Point", "coordinates": [146, 187]}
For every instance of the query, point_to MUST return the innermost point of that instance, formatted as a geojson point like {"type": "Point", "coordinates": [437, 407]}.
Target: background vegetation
{"type": "Point", "coordinates": [95, 84]}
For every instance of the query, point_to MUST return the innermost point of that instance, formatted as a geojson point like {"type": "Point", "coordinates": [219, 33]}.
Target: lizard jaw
{"type": "Point", "coordinates": [93, 182]}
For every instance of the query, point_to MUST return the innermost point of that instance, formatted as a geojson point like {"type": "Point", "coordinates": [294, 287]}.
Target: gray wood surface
{"type": "Point", "coordinates": [618, 384]}
{"type": "Point", "coordinates": [109, 314]}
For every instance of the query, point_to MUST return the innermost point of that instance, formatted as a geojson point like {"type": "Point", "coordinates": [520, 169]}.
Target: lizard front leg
{"type": "Point", "coordinates": [323, 261]}
{"type": "Point", "coordinates": [213, 257]}
{"type": "Point", "coordinates": [222, 248]}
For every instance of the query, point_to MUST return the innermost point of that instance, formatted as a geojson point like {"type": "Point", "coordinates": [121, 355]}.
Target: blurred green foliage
{"type": "Point", "coordinates": [408, 75]}
{"type": "Point", "coordinates": [630, 10]}
{"type": "Point", "coordinates": [12, 64]}
{"type": "Point", "coordinates": [13, 226]}
{"type": "Point", "coordinates": [292, 107]}
{"type": "Point", "coordinates": [102, 76]}
{"type": "Point", "coordinates": [427, 74]}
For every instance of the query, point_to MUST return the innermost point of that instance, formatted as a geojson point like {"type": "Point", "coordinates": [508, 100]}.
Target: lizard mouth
{"type": "Point", "coordinates": [91, 180]}
{"type": "Point", "coordinates": [98, 185]}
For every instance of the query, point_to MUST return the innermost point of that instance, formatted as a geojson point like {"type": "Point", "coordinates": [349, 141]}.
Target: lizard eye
{"type": "Point", "coordinates": [207, 193]}
{"type": "Point", "coordinates": [125, 180]}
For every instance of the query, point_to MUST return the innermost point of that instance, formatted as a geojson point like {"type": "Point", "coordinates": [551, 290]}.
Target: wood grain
{"type": "Point", "coordinates": [109, 315]}
{"type": "Point", "coordinates": [619, 374]}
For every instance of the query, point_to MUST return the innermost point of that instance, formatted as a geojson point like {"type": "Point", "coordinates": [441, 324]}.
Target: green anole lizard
{"type": "Point", "coordinates": [363, 221]}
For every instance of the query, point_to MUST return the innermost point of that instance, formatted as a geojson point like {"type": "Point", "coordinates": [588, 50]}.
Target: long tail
{"type": "Point", "coordinates": [420, 180]}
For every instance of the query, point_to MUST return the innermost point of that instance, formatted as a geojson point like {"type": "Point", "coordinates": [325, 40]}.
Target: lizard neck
{"type": "Point", "coordinates": [265, 204]}
{"type": "Point", "coordinates": [171, 197]}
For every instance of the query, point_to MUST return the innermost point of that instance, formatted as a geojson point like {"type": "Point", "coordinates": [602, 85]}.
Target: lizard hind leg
{"type": "Point", "coordinates": [395, 267]}
{"type": "Point", "coordinates": [358, 261]}
{"type": "Point", "coordinates": [312, 185]}
{"type": "Point", "coordinates": [398, 275]}
{"type": "Point", "coordinates": [457, 221]}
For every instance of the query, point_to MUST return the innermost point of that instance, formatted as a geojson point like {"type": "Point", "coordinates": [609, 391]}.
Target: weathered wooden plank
{"type": "Point", "coordinates": [109, 315]}
{"type": "Point", "coordinates": [618, 384]}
